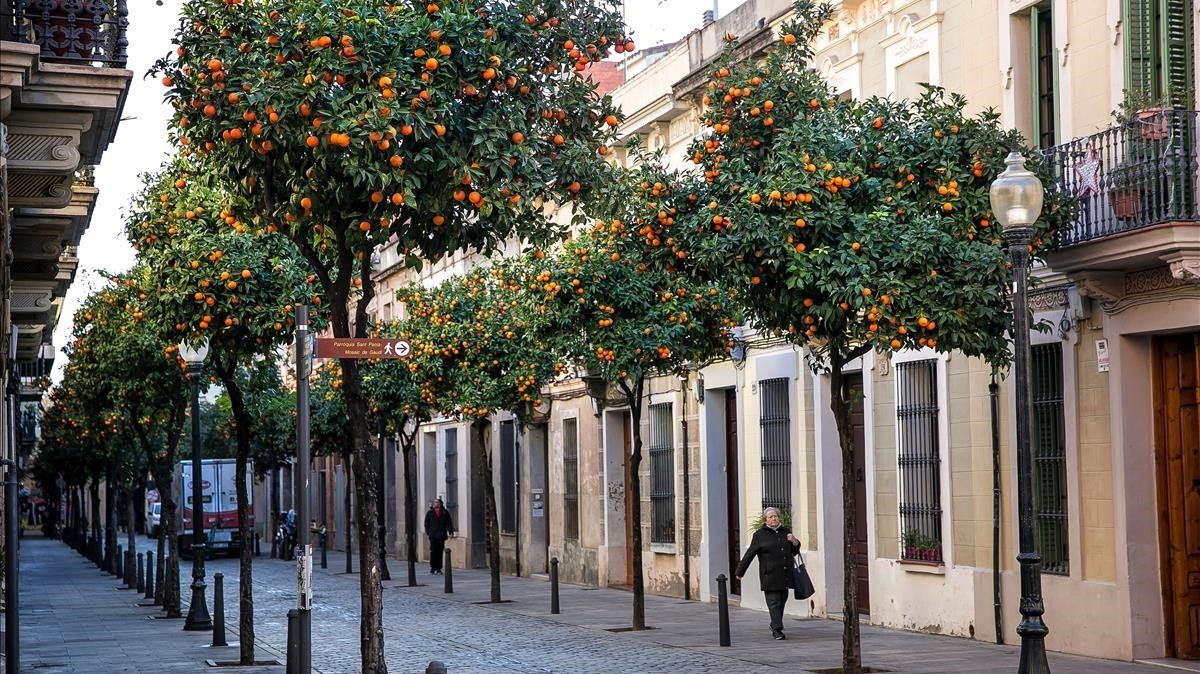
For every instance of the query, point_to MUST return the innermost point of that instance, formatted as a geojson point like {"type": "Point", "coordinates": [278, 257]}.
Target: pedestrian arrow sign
{"type": "Point", "coordinates": [364, 348]}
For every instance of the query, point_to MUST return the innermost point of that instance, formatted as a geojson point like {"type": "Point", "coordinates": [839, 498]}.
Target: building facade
{"type": "Point", "coordinates": [1115, 368]}
{"type": "Point", "coordinates": [63, 85]}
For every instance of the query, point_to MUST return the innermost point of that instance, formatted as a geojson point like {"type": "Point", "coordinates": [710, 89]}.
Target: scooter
{"type": "Point", "coordinates": [285, 538]}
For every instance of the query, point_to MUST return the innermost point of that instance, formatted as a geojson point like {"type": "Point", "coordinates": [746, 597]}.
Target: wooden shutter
{"type": "Point", "coordinates": [1140, 46]}
{"type": "Point", "coordinates": [1177, 50]}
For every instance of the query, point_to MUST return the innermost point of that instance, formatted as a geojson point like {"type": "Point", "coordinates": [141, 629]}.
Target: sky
{"type": "Point", "coordinates": [141, 141]}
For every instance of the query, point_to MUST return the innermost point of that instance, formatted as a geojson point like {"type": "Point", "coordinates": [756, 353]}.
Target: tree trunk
{"type": "Point", "coordinates": [380, 503]}
{"type": "Point", "coordinates": [242, 422]}
{"type": "Point", "coordinates": [365, 484]}
{"type": "Point", "coordinates": [160, 562]}
{"type": "Point", "coordinates": [110, 523]}
{"type": "Point", "coordinates": [171, 599]}
{"type": "Point", "coordinates": [410, 515]}
{"type": "Point", "coordinates": [839, 403]}
{"type": "Point", "coordinates": [490, 524]}
{"type": "Point", "coordinates": [95, 494]}
{"type": "Point", "coordinates": [634, 397]}
{"type": "Point", "coordinates": [348, 508]}
{"type": "Point", "coordinates": [130, 540]}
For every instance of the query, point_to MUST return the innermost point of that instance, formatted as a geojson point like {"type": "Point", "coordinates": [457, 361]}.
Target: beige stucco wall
{"type": "Point", "coordinates": [887, 494]}
{"type": "Point", "coordinates": [1095, 464]}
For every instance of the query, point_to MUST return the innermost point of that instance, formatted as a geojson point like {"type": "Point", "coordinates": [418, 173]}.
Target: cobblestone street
{"type": "Point", "coordinates": [423, 624]}
{"type": "Point", "coordinates": [75, 620]}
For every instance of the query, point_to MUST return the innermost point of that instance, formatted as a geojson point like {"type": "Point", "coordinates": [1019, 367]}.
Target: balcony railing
{"type": "Point", "coordinates": [1129, 177]}
{"type": "Point", "coordinates": [69, 31]}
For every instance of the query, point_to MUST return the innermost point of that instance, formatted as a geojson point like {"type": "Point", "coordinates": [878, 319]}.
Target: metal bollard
{"type": "Point", "coordinates": [435, 667]}
{"type": "Point", "coordinates": [324, 549]}
{"type": "Point", "coordinates": [448, 573]}
{"type": "Point", "coordinates": [159, 586]}
{"type": "Point", "coordinates": [293, 642]}
{"type": "Point", "coordinates": [554, 586]}
{"type": "Point", "coordinates": [118, 563]}
{"type": "Point", "coordinates": [150, 576]}
{"type": "Point", "coordinates": [130, 569]}
{"type": "Point", "coordinates": [219, 610]}
{"type": "Point", "coordinates": [723, 609]}
{"type": "Point", "coordinates": [141, 577]}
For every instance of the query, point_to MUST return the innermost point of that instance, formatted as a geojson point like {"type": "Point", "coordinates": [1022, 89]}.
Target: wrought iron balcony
{"type": "Point", "coordinates": [69, 31]}
{"type": "Point", "coordinates": [1130, 177]}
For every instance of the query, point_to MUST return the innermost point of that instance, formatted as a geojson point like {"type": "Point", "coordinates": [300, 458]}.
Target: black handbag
{"type": "Point", "coordinates": [801, 584]}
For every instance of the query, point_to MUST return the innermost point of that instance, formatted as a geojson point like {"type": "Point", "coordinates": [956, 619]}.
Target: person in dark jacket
{"type": "Point", "coordinates": [773, 545]}
{"type": "Point", "coordinates": [438, 526]}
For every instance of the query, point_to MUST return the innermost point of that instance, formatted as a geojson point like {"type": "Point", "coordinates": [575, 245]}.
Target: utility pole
{"type": "Point", "coordinates": [303, 549]}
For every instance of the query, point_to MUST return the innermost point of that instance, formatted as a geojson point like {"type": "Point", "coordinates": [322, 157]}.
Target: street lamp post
{"type": "Point", "coordinates": [198, 618]}
{"type": "Point", "coordinates": [1016, 199]}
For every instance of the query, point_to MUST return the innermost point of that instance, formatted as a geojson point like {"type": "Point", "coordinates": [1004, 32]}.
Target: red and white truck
{"type": "Point", "coordinates": [219, 498]}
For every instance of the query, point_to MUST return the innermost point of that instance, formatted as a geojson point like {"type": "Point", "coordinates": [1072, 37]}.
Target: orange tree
{"type": "Point", "coordinates": [630, 316]}
{"type": "Point", "coordinates": [74, 444]}
{"type": "Point", "coordinates": [487, 336]}
{"type": "Point", "coordinates": [851, 226]}
{"type": "Point", "coordinates": [215, 279]}
{"type": "Point", "coordinates": [128, 384]}
{"type": "Point", "coordinates": [402, 397]}
{"type": "Point", "coordinates": [447, 127]}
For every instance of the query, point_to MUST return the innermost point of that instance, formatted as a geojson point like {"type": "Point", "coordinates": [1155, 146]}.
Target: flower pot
{"type": "Point", "coordinates": [1153, 123]}
{"type": "Point", "coordinates": [1126, 202]}
{"type": "Point", "coordinates": [911, 552]}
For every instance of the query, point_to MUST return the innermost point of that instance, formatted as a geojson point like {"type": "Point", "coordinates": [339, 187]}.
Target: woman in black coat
{"type": "Point", "coordinates": [773, 545]}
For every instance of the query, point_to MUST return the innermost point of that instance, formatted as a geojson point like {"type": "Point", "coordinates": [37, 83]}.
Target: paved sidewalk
{"type": "Point", "coordinates": [75, 620]}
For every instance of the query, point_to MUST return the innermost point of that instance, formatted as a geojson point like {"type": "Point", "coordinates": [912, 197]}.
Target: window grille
{"type": "Point", "coordinates": [508, 477]}
{"type": "Point", "coordinates": [662, 475]}
{"type": "Point", "coordinates": [571, 479]}
{"type": "Point", "coordinates": [451, 470]}
{"type": "Point", "coordinates": [1049, 458]}
{"type": "Point", "coordinates": [919, 460]}
{"type": "Point", "coordinates": [776, 425]}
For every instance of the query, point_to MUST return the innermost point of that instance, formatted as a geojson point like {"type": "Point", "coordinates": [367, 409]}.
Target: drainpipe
{"type": "Point", "coordinates": [687, 493]}
{"type": "Point", "coordinates": [994, 393]}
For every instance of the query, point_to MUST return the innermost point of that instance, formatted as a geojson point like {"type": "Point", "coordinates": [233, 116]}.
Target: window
{"type": "Point", "coordinates": [571, 479]}
{"type": "Point", "coordinates": [508, 477]}
{"type": "Point", "coordinates": [776, 424]}
{"type": "Point", "coordinates": [451, 469]}
{"type": "Point", "coordinates": [662, 475]}
{"type": "Point", "coordinates": [1158, 48]}
{"type": "Point", "coordinates": [910, 76]}
{"type": "Point", "coordinates": [1045, 76]}
{"type": "Point", "coordinates": [920, 460]}
{"type": "Point", "coordinates": [1049, 458]}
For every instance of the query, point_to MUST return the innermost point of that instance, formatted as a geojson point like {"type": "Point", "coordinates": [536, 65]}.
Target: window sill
{"type": "Point", "coordinates": [918, 566]}
{"type": "Point", "coordinates": [664, 548]}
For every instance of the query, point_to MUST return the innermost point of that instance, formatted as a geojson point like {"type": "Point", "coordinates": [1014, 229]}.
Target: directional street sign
{"type": "Point", "coordinates": [336, 347]}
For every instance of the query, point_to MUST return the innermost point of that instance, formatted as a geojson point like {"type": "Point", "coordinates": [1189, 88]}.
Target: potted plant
{"type": "Point", "coordinates": [1148, 114]}
{"type": "Point", "coordinates": [1124, 191]}
{"type": "Point", "coordinates": [912, 545]}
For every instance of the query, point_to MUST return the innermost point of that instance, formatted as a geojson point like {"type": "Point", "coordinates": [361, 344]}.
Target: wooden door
{"type": "Point", "coordinates": [1177, 450]}
{"type": "Point", "coordinates": [859, 546]}
{"type": "Point", "coordinates": [627, 439]}
{"type": "Point", "coordinates": [732, 497]}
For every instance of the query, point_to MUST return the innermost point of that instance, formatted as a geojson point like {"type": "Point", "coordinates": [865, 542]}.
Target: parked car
{"type": "Point", "coordinates": [154, 520]}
